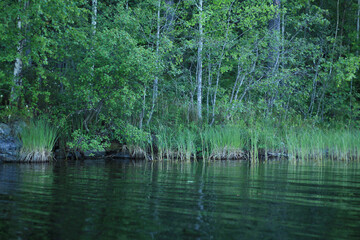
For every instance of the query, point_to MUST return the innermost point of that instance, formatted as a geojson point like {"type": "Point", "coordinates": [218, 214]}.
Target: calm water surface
{"type": "Point", "coordinates": [141, 200]}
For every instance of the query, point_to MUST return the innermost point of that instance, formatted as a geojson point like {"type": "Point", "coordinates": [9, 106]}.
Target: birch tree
{"type": "Point", "coordinates": [274, 52]}
{"type": "Point", "coordinates": [358, 25]}
{"type": "Point", "coordinates": [93, 24]}
{"type": "Point", "coordinates": [199, 61]}
{"type": "Point", "coordinates": [156, 78]}
{"type": "Point", "coordinates": [17, 81]}
{"type": "Point", "coordinates": [274, 29]}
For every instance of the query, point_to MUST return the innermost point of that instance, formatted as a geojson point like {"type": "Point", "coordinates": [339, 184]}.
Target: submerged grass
{"type": "Point", "coordinates": [38, 140]}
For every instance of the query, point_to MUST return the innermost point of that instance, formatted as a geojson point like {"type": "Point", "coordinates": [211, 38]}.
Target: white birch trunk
{"type": "Point", "coordinates": [274, 54]}
{"type": "Point", "coordinates": [358, 25]}
{"type": "Point", "coordinates": [93, 24]}
{"type": "Point", "coordinates": [199, 63]}
{"type": "Point", "coordinates": [208, 88]}
{"type": "Point", "coordinates": [15, 90]}
{"type": "Point", "coordinates": [170, 16]}
{"type": "Point", "coordinates": [274, 28]}
{"type": "Point", "coordinates": [357, 54]}
{"type": "Point", "coordinates": [156, 79]}
{"type": "Point", "coordinates": [94, 16]}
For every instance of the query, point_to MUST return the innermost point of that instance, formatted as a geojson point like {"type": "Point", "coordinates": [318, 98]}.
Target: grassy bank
{"type": "Point", "coordinates": [342, 144]}
{"type": "Point", "coordinates": [252, 140]}
{"type": "Point", "coordinates": [256, 141]}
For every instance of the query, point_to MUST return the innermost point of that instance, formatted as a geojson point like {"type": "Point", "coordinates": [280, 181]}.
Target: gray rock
{"type": "Point", "coordinates": [10, 157]}
{"type": "Point", "coordinates": [121, 155]}
{"type": "Point", "coordinates": [9, 144]}
{"type": "Point", "coordinates": [5, 130]}
{"type": "Point", "coordinates": [17, 127]}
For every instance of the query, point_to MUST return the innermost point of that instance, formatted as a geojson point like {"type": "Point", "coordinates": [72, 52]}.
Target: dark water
{"type": "Point", "coordinates": [141, 200]}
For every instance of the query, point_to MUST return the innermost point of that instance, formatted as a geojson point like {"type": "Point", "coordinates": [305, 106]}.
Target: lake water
{"type": "Point", "coordinates": [142, 200]}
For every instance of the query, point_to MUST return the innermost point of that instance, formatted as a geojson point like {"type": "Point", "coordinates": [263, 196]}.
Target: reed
{"type": "Point", "coordinates": [185, 144]}
{"type": "Point", "coordinates": [165, 143]}
{"type": "Point", "coordinates": [179, 144]}
{"type": "Point", "coordinates": [38, 140]}
{"type": "Point", "coordinates": [314, 143]}
{"type": "Point", "coordinates": [162, 144]}
{"type": "Point", "coordinates": [254, 151]}
{"type": "Point", "coordinates": [270, 139]}
{"type": "Point", "coordinates": [257, 140]}
{"type": "Point", "coordinates": [224, 142]}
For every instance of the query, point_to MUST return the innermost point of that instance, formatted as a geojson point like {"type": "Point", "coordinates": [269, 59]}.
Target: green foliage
{"type": "Point", "coordinates": [98, 83]}
{"type": "Point", "coordinates": [85, 142]}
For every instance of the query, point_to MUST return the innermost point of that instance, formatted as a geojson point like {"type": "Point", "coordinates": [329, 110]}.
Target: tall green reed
{"type": "Point", "coordinates": [38, 140]}
{"type": "Point", "coordinates": [224, 142]}
{"type": "Point", "coordinates": [315, 143]}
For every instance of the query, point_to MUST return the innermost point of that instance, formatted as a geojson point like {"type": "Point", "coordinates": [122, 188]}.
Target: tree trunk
{"type": "Point", "coordinates": [337, 21]}
{"type": "Point", "coordinates": [170, 16]}
{"type": "Point", "coordinates": [94, 16]}
{"type": "Point", "coordinates": [274, 53]}
{"type": "Point", "coordinates": [93, 25]}
{"type": "Point", "coordinates": [156, 79]}
{"type": "Point", "coordinates": [16, 88]}
{"type": "Point", "coordinates": [199, 62]}
{"type": "Point", "coordinates": [358, 26]}
{"type": "Point", "coordinates": [274, 29]}
{"type": "Point", "coordinates": [357, 54]}
{"type": "Point", "coordinates": [209, 87]}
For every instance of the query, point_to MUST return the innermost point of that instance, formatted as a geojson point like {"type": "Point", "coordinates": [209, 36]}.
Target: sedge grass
{"type": "Point", "coordinates": [185, 145]}
{"type": "Point", "coordinates": [38, 140]}
{"type": "Point", "coordinates": [256, 141]}
{"type": "Point", "coordinates": [225, 142]}
{"type": "Point", "coordinates": [335, 144]}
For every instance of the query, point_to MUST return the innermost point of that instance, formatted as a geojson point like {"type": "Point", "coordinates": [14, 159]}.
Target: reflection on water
{"type": "Point", "coordinates": [218, 200]}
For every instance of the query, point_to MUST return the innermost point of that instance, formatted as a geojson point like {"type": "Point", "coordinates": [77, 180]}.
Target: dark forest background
{"type": "Point", "coordinates": [119, 70]}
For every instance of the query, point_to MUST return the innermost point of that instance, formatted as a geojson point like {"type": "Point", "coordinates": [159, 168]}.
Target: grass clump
{"type": "Point", "coordinates": [163, 142]}
{"type": "Point", "coordinates": [38, 139]}
{"type": "Point", "coordinates": [185, 143]}
{"type": "Point", "coordinates": [315, 143]}
{"type": "Point", "coordinates": [224, 142]}
{"type": "Point", "coordinates": [179, 144]}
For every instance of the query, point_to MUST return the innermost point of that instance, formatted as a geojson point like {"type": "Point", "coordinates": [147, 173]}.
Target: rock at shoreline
{"type": "Point", "coordinates": [9, 144]}
{"type": "Point", "coordinates": [17, 127]}
{"type": "Point", "coordinates": [121, 155]}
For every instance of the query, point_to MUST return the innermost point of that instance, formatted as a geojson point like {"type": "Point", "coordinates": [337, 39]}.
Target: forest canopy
{"type": "Point", "coordinates": [121, 69]}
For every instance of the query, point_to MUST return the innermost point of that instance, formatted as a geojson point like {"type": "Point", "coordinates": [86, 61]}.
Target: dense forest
{"type": "Point", "coordinates": [182, 75]}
